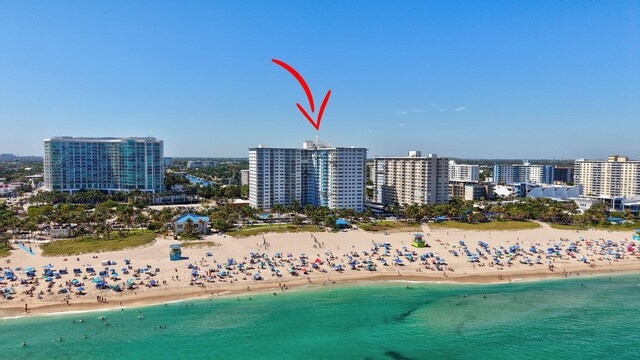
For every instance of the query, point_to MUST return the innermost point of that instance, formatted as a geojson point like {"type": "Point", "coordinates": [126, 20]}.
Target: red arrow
{"type": "Point", "coordinates": [309, 95]}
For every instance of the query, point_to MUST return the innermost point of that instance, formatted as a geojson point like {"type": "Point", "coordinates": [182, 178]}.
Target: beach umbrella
{"type": "Point", "coordinates": [81, 288]}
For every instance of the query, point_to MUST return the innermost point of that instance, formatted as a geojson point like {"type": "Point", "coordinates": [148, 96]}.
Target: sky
{"type": "Point", "coordinates": [469, 79]}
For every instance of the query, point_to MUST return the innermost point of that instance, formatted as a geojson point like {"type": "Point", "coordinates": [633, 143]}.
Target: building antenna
{"type": "Point", "coordinates": [317, 140]}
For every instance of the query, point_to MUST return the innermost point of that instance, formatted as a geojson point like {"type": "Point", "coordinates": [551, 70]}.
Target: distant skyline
{"type": "Point", "coordinates": [465, 79]}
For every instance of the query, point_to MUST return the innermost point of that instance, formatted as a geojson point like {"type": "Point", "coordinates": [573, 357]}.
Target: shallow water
{"type": "Point", "coordinates": [572, 318]}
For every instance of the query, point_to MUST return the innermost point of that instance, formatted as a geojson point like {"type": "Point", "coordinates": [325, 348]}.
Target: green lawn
{"type": "Point", "coordinates": [263, 229]}
{"type": "Point", "coordinates": [390, 225]}
{"type": "Point", "coordinates": [629, 227]}
{"type": "Point", "coordinates": [5, 250]}
{"type": "Point", "coordinates": [493, 225]}
{"type": "Point", "coordinates": [92, 245]}
{"type": "Point", "coordinates": [198, 244]}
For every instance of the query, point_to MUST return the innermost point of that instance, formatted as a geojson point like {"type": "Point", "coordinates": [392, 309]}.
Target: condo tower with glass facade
{"type": "Point", "coordinates": [72, 164]}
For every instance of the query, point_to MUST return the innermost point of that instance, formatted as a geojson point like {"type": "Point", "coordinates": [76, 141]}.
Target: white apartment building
{"type": "Point", "coordinates": [412, 179]}
{"type": "Point", "coordinates": [274, 177]}
{"type": "Point", "coordinates": [615, 177]}
{"type": "Point", "coordinates": [317, 174]}
{"type": "Point", "coordinates": [244, 177]}
{"type": "Point", "coordinates": [523, 173]}
{"type": "Point", "coordinates": [463, 172]}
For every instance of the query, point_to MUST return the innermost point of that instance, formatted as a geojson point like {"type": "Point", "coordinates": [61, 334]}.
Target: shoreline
{"type": "Point", "coordinates": [172, 295]}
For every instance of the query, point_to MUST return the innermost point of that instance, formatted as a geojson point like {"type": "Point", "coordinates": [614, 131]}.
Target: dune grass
{"type": "Point", "coordinates": [493, 225]}
{"type": "Point", "coordinates": [90, 244]}
{"type": "Point", "coordinates": [624, 227]}
{"type": "Point", "coordinates": [198, 244]}
{"type": "Point", "coordinates": [391, 226]}
{"type": "Point", "coordinates": [264, 229]}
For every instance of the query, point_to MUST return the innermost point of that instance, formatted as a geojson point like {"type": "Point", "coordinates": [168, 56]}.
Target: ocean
{"type": "Point", "coordinates": [576, 318]}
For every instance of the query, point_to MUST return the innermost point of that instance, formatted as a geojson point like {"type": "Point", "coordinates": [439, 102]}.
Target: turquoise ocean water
{"type": "Point", "coordinates": [579, 318]}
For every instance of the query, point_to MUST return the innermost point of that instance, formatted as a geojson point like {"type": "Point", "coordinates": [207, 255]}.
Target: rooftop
{"type": "Point", "coordinates": [194, 218]}
{"type": "Point", "coordinates": [99, 139]}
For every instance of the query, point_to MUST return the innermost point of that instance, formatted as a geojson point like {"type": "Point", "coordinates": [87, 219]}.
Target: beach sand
{"type": "Point", "coordinates": [176, 283]}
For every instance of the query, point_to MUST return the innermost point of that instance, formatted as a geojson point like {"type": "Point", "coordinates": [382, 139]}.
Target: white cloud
{"type": "Point", "coordinates": [461, 108]}
{"type": "Point", "coordinates": [401, 125]}
{"type": "Point", "coordinates": [412, 111]}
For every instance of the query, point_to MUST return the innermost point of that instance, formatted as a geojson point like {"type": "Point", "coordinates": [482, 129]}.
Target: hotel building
{"type": "Point", "coordinates": [107, 164]}
{"type": "Point", "coordinates": [411, 180]}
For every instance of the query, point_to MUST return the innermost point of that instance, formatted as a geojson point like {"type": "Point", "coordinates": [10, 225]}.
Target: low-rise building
{"type": "Point", "coordinates": [515, 189]}
{"type": "Point", "coordinates": [195, 164]}
{"type": "Point", "coordinates": [471, 191]}
{"type": "Point", "coordinates": [7, 189]}
{"type": "Point", "coordinates": [555, 192]}
{"type": "Point", "coordinates": [200, 223]}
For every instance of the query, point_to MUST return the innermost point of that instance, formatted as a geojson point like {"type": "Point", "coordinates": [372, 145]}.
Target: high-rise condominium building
{"type": "Point", "coordinates": [463, 172]}
{"type": "Point", "coordinates": [563, 174]}
{"type": "Point", "coordinates": [411, 180]}
{"type": "Point", "coordinates": [523, 173]}
{"type": "Point", "coordinates": [108, 164]}
{"type": "Point", "coordinates": [615, 177]}
{"type": "Point", "coordinates": [317, 175]}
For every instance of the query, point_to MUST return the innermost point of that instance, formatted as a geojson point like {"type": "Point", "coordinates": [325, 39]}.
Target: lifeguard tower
{"type": "Point", "coordinates": [175, 252]}
{"type": "Point", "coordinates": [636, 234]}
{"type": "Point", "coordinates": [418, 241]}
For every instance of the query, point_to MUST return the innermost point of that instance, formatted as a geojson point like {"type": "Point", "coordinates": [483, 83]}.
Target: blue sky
{"type": "Point", "coordinates": [500, 79]}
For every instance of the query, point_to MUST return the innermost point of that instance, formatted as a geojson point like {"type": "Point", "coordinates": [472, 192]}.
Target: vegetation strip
{"type": "Point", "coordinates": [90, 244]}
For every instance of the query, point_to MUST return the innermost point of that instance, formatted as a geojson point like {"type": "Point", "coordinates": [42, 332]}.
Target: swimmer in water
{"type": "Point", "coordinates": [24, 343]}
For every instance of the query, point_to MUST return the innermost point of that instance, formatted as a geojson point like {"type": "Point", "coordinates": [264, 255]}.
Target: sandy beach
{"type": "Point", "coordinates": [230, 267]}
